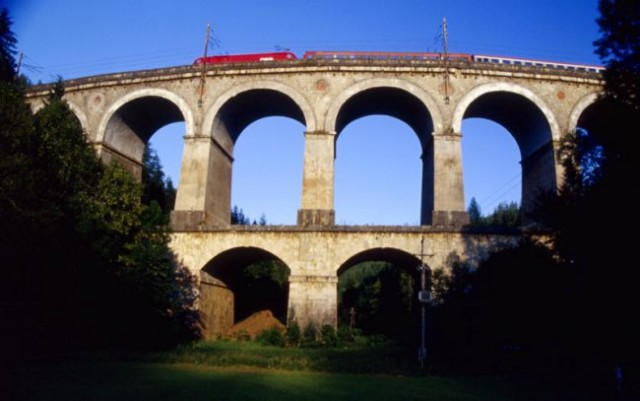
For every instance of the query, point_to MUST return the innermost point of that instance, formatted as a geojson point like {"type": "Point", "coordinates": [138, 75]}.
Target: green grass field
{"type": "Point", "coordinates": [123, 381]}
{"type": "Point", "coordinates": [248, 371]}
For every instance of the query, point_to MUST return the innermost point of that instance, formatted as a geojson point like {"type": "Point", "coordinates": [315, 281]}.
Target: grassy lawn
{"type": "Point", "coordinates": [123, 381]}
{"type": "Point", "coordinates": [248, 371]}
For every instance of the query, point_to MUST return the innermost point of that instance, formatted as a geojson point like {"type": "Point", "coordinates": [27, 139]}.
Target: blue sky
{"type": "Point", "coordinates": [375, 183]}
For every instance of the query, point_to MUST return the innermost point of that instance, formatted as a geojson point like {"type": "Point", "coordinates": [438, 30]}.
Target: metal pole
{"type": "Point", "coordinates": [423, 297]}
{"type": "Point", "coordinates": [423, 326]}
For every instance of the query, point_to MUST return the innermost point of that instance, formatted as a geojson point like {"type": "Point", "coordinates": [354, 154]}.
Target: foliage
{"type": "Point", "coordinates": [261, 286]}
{"type": "Point", "coordinates": [272, 337]}
{"type": "Point", "coordinates": [7, 48]}
{"type": "Point", "coordinates": [155, 186]}
{"type": "Point", "coordinates": [379, 297]}
{"type": "Point", "coordinates": [587, 219]}
{"type": "Point", "coordinates": [309, 336]}
{"type": "Point", "coordinates": [293, 334]}
{"type": "Point", "coordinates": [475, 213]}
{"type": "Point", "coordinates": [90, 265]}
{"type": "Point", "coordinates": [328, 336]}
{"type": "Point", "coordinates": [238, 217]}
{"type": "Point", "coordinates": [505, 215]}
{"type": "Point", "coordinates": [499, 316]}
{"type": "Point", "coordinates": [619, 49]}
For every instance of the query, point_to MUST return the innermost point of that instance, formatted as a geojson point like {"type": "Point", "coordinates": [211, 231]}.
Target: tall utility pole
{"type": "Point", "coordinates": [445, 39]}
{"type": "Point", "coordinates": [424, 297]}
{"type": "Point", "coordinates": [204, 64]}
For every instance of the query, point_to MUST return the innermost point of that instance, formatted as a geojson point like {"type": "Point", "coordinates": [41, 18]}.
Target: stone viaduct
{"type": "Point", "coordinates": [120, 112]}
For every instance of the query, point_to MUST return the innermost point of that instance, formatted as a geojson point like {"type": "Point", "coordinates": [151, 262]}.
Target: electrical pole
{"type": "Point", "coordinates": [445, 39]}
{"type": "Point", "coordinates": [424, 297]}
{"type": "Point", "coordinates": [19, 64]}
{"type": "Point", "coordinates": [204, 64]}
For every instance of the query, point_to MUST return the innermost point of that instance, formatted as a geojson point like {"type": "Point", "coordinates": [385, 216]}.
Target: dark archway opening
{"type": "Point", "coordinates": [377, 294]}
{"type": "Point", "coordinates": [240, 282]}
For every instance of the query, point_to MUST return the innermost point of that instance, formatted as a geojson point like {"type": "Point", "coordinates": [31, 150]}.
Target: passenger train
{"type": "Point", "coordinates": [358, 55]}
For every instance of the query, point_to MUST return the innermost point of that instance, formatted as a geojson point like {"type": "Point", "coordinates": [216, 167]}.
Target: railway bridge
{"type": "Point", "coordinates": [120, 112]}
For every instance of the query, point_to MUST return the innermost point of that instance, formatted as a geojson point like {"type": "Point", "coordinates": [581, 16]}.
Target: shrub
{"type": "Point", "coordinates": [309, 336]}
{"type": "Point", "coordinates": [329, 336]}
{"type": "Point", "coordinates": [271, 336]}
{"type": "Point", "coordinates": [346, 334]}
{"type": "Point", "coordinates": [293, 334]}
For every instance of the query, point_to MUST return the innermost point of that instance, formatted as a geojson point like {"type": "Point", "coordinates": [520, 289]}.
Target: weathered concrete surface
{"type": "Point", "coordinates": [119, 112]}
{"type": "Point", "coordinates": [316, 256]}
{"type": "Point", "coordinates": [537, 105]}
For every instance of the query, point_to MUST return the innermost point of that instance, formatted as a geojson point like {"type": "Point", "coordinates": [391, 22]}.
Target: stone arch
{"type": "Point", "coordinates": [579, 109]}
{"type": "Point", "coordinates": [478, 91]}
{"type": "Point", "coordinates": [395, 312]}
{"type": "Point", "coordinates": [282, 99]}
{"type": "Point", "coordinates": [395, 256]}
{"type": "Point", "coordinates": [130, 121]}
{"type": "Point", "coordinates": [531, 123]}
{"type": "Point", "coordinates": [412, 90]}
{"type": "Point", "coordinates": [400, 99]}
{"type": "Point", "coordinates": [220, 282]}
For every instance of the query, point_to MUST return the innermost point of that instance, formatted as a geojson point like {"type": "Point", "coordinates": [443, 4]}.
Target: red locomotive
{"type": "Point", "coordinates": [246, 58]}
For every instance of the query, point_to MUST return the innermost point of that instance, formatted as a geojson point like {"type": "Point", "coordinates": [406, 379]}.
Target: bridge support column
{"type": "Point", "coordinates": [204, 193]}
{"type": "Point", "coordinates": [313, 300]}
{"type": "Point", "coordinates": [442, 182]}
{"type": "Point", "coordinates": [317, 181]}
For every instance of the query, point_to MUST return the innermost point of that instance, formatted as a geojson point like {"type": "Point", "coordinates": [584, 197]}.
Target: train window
{"type": "Point", "coordinates": [495, 60]}
{"type": "Point", "coordinates": [517, 62]}
{"type": "Point", "coordinates": [528, 63]}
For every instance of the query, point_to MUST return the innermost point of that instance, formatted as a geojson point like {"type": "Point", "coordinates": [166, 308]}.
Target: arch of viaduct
{"type": "Point", "coordinates": [120, 112]}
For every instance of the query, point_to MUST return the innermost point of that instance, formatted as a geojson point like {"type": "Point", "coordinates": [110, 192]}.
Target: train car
{"type": "Point", "coordinates": [480, 58]}
{"type": "Point", "coordinates": [245, 58]}
{"type": "Point", "coordinates": [359, 55]}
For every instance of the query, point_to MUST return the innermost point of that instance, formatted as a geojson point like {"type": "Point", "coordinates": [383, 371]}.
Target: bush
{"type": "Point", "coordinates": [346, 334]}
{"type": "Point", "coordinates": [329, 336]}
{"type": "Point", "coordinates": [293, 334]}
{"type": "Point", "coordinates": [309, 336]}
{"type": "Point", "coordinates": [271, 336]}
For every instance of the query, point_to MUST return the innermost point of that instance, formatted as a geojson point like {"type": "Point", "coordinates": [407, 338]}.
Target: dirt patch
{"type": "Point", "coordinates": [256, 323]}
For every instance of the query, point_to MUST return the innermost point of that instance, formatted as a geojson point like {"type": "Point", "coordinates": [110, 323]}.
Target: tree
{"type": "Point", "coordinates": [87, 264]}
{"type": "Point", "coordinates": [505, 215]}
{"type": "Point", "coordinates": [475, 214]}
{"type": "Point", "coordinates": [587, 218]}
{"type": "Point", "coordinates": [155, 186]}
{"type": "Point", "coordinates": [382, 297]}
{"type": "Point", "coordinates": [238, 217]}
{"type": "Point", "coordinates": [7, 48]}
{"type": "Point", "coordinates": [619, 49]}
